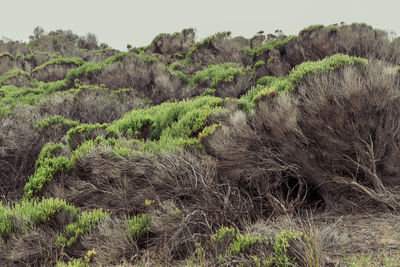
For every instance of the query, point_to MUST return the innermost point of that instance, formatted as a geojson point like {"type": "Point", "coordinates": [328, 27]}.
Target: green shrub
{"type": "Point", "coordinates": [74, 263]}
{"type": "Point", "coordinates": [311, 28]}
{"type": "Point", "coordinates": [169, 125]}
{"type": "Point", "coordinates": [281, 245]}
{"type": "Point", "coordinates": [172, 71]}
{"type": "Point", "coordinates": [14, 74]}
{"type": "Point", "coordinates": [60, 61]}
{"type": "Point", "coordinates": [30, 213]}
{"type": "Point", "coordinates": [209, 92]}
{"type": "Point", "coordinates": [12, 95]}
{"type": "Point", "coordinates": [267, 46]}
{"type": "Point", "coordinates": [234, 242]}
{"type": "Point", "coordinates": [217, 74]}
{"type": "Point", "coordinates": [259, 64]}
{"type": "Point", "coordinates": [326, 64]}
{"type": "Point", "coordinates": [86, 222]}
{"type": "Point", "coordinates": [84, 132]}
{"type": "Point", "coordinates": [55, 122]}
{"type": "Point", "coordinates": [7, 55]}
{"type": "Point", "coordinates": [270, 84]}
{"type": "Point", "coordinates": [48, 166]}
{"type": "Point", "coordinates": [138, 226]}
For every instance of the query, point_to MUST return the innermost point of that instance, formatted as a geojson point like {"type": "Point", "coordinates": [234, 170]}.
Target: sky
{"type": "Point", "coordinates": [122, 22]}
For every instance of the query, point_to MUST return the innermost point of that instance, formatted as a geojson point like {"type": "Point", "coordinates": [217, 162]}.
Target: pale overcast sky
{"type": "Point", "coordinates": [120, 22]}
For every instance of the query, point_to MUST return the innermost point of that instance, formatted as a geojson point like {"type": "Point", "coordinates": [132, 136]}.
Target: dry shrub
{"type": "Point", "coordinates": [36, 247]}
{"type": "Point", "coordinates": [183, 180]}
{"type": "Point", "coordinates": [319, 42]}
{"type": "Point", "coordinates": [351, 120]}
{"type": "Point", "coordinates": [170, 44]}
{"type": "Point", "coordinates": [239, 86]}
{"type": "Point", "coordinates": [19, 81]}
{"type": "Point", "coordinates": [221, 48]}
{"type": "Point", "coordinates": [7, 64]}
{"type": "Point", "coordinates": [91, 106]}
{"type": "Point", "coordinates": [52, 73]}
{"type": "Point", "coordinates": [20, 145]}
{"type": "Point", "coordinates": [354, 40]}
{"type": "Point", "coordinates": [150, 79]}
{"type": "Point", "coordinates": [12, 47]}
{"type": "Point", "coordinates": [112, 243]}
{"type": "Point", "coordinates": [275, 64]}
{"type": "Point", "coordinates": [335, 141]}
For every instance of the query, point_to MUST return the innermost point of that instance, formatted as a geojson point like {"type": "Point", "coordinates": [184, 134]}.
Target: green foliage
{"type": "Point", "coordinates": [265, 86]}
{"type": "Point", "coordinates": [14, 74]}
{"type": "Point", "coordinates": [12, 95]}
{"type": "Point", "coordinates": [169, 125]}
{"type": "Point", "coordinates": [7, 55]}
{"type": "Point", "coordinates": [326, 64]}
{"type": "Point", "coordinates": [217, 74]}
{"type": "Point", "coordinates": [56, 122]}
{"type": "Point", "coordinates": [30, 213]}
{"type": "Point", "coordinates": [86, 222]}
{"type": "Point", "coordinates": [269, 84]}
{"type": "Point", "coordinates": [332, 28]}
{"type": "Point", "coordinates": [311, 28]}
{"type": "Point", "coordinates": [84, 132]}
{"type": "Point", "coordinates": [281, 245]}
{"type": "Point", "coordinates": [362, 25]}
{"type": "Point", "coordinates": [172, 71]}
{"type": "Point", "coordinates": [83, 150]}
{"type": "Point", "coordinates": [209, 92]}
{"type": "Point", "coordinates": [138, 226]}
{"type": "Point", "coordinates": [235, 242]}
{"type": "Point", "coordinates": [259, 64]}
{"type": "Point", "coordinates": [60, 61]}
{"type": "Point", "coordinates": [48, 166]}
{"type": "Point", "coordinates": [267, 46]}
{"type": "Point", "coordinates": [74, 263]}
{"type": "Point", "coordinates": [208, 130]}
{"type": "Point", "coordinates": [48, 151]}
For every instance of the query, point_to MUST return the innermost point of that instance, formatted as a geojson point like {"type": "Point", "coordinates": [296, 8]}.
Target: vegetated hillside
{"type": "Point", "coordinates": [200, 153]}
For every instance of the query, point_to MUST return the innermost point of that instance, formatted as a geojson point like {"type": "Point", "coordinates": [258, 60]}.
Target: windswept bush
{"type": "Point", "coordinates": [207, 153]}
{"type": "Point", "coordinates": [337, 133]}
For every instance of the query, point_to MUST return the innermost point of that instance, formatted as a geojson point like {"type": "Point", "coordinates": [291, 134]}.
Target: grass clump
{"type": "Point", "coordinates": [74, 263]}
{"type": "Point", "coordinates": [46, 166]}
{"type": "Point", "coordinates": [138, 226]}
{"type": "Point", "coordinates": [12, 95]}
{"type": "Point", "coordinates": [222, 73]}
{"type": "Point", "coordinates": [77, 61]}
{"type": "Point", "coordinates": [86, 222]}
{"type": "Point", "coordinates": [55, 122]}
{"type": "Point", "coordinates": [30, 213]}
{"type": "Point", "coordinates": [234, 242]}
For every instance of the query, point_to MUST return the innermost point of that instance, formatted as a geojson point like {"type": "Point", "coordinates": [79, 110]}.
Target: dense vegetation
{"type": "Point", "coordinates": [218, 152]}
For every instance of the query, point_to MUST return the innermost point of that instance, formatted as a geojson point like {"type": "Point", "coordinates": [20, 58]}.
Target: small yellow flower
{"type": "Point", "coordinates": [148, 202]}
